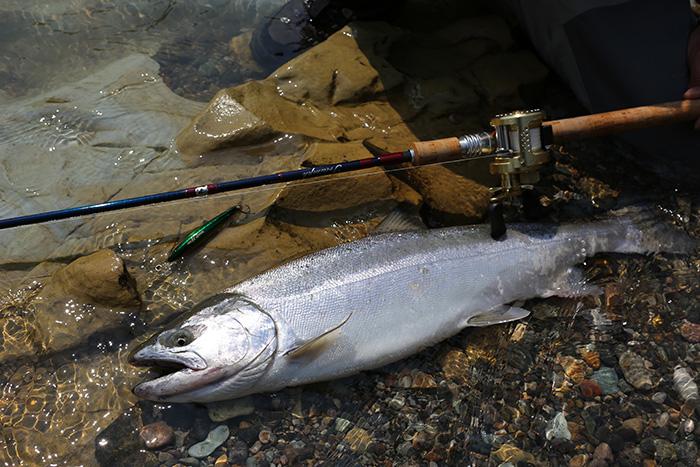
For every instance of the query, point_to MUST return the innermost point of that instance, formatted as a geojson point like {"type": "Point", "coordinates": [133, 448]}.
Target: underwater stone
{"type": "Point", "coordinates": [691, 332]}
{"type": "Point", "coordinates": [635, 371]}
{"type": "Point", "coordinates": [216, 438]}
{"type": "Point", "coordinates": [224, 410]}
{"type": "Point", "coordinates": [590, 389]}
{"type": "Point", "coordinates": [636, 424]}
{"type": "Point", "coordinates": [157, 435]}
{"type": "Point", "coordinates": [558, 427]}
{"type": "Point", "coordinates": [100, 279]}
{"type": "Point", "coordinates": [684, 384]}
{"type": "Point", "coordinates": [607, 379]}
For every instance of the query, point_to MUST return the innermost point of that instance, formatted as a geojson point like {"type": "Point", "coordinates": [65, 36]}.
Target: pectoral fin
{"type": "Point", "coordinates": [498, 315]}
{"type": "Point", "coordinates": [311, 350]}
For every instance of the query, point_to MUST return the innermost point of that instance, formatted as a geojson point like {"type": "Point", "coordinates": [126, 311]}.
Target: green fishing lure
{"type": "Point", "coordinates": [201, 234]}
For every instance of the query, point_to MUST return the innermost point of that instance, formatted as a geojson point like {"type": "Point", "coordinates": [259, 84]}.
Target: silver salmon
{"type": "Point", "coordinates": [366, 303]}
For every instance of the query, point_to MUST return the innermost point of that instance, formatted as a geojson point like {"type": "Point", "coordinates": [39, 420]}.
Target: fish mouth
{"type": "Point", "coordinates": [175, 374]}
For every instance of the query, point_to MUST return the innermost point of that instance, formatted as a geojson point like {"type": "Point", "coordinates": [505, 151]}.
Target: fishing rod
{"type": "Point", "coordinates": [519, 145]}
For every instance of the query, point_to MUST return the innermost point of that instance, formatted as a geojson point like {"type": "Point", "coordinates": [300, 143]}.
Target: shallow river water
{"type": "Point", "coordinates": [94, 93]}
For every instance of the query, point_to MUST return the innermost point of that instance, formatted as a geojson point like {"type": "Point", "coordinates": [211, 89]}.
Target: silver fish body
{"type": "Point", "coordinates": [367, 303]}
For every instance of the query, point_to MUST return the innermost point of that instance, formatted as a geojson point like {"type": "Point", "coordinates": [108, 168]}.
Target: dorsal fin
{"type": "Point", "coordinates": [402, 218]}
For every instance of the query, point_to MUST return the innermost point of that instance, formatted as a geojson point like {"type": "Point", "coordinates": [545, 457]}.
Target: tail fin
{"type": "Point", "coordinates": [650, 233]}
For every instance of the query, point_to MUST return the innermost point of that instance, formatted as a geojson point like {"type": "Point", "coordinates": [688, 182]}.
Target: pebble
{"type": "Point", "coordinates": [684, 384]}
{"type": "Point", "coordinates": [604, 452]}
{"type": "Point", "coordinates": [191, 461]}
{"type": "Point", "coordinates": [216, 438]}
{"type": "Point", "coordinates": [157, 435]}
{"type": "Point", "coordinates": [665, 449]}
{"type": "Point", "coordinates": [659, 397]}
{"type": "Point", "coordinates": [607, 380]}
{"type": "Point", "coordinates": [266, 436]}
{"type": "Point", "coordinates": [558, 428]}
{"type": "Point", "coordinates": [225, 410]}
{"type": "Point", "coordinates": [691, 332]}
{"type": "Point", "coordinates": [636, 424]}
{"type": "Point", "coordinates": [238, 452]}
{"type": "Point", "coordinates": [687, 451]}
{"type": "Point", "coordinates": [635, 371]}
{"type": "Point", "coordinates": [341, 424]}
{"type": "Point", "coordinates": [579, 460]}
{"type": "Point", "coordinates": [590, 389]}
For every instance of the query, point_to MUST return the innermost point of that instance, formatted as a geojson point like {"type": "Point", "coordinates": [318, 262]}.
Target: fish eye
{"type": "Point", "coordinates": [179, 338]}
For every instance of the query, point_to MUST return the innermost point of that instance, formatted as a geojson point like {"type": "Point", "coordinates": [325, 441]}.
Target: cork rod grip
{"type": "Point", "coordinates": [437, 150]}
{"type": "Point", "coordinates": [570, 129]}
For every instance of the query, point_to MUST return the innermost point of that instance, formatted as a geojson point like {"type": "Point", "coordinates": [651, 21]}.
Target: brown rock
{"type": "Point", "coordinates": [604, 452]}
{"type": "Point", "coordinates": [573, 367]}
{"type": "Point", "coordinates": [579, 460]}
{"type": "Point", "coordinates": [691, 332]}
{"type": "Point", "coordinates": [592, 358]}
{"type": "Point", "coordinates": [590, 389]}
{"type": "Point", "coordinates": [157, 435]}
{"type": "Point", "coordinates": [343, 192]}
{"type": "Point", "coordinates": [99, 279]}
{"type": "Point", "coordinates": [636, 424]}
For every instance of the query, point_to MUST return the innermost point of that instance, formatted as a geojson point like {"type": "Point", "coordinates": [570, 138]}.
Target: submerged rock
{"type": "Point", "coordinates": [635, 371]}
{"type": "Point", "coordinates": [216, 438]}
{"type": "Point", "coordinates": [101, 279]}
{"type": "Point", "coordinates": [685, 385]}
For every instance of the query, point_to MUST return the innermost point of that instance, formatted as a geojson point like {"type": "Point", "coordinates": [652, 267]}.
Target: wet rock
{"type": "Point", "coordinates": [341, 424]}
{"type": "Point", "coordinates": [343, 192]}
{"type": "Point", "coordinates": [687, 451]}
{"type": "Point", "coordinates": [224, 410]}
{"type": "Point", "coordinates": [157, 435]}
{"type": "Point", "coordinates": [238, 452]}
{"type": "Point", "coordinates": [216, 438]}
{"type": "Point", "coordinates": [647, 446]}
{"type": "Point", "coordinates": [665, 449]}
{"type": "Point", "coordinates": [563, 445]}
{"type": "Point", "coordinates": [604, 452]}
{"type": "Point", "coordinates": [266, 436]}
{"type": "Point", "coordinates": [691, 332]}
{"type": "Point", "coordinates": [333, 73]}
{"type": "Point", "coordinates": [590, 389]}
{"type": "Point", "coordinates": [591, 357]}
{"type": "Point", "coordinates": [248, 435]}
{"type": "Point", "coordinates": [635, 371]}
{"type": "Point", "coordinates": [558, 428]}
{"type": "Point", "coordinates": [100, 279]}
{"type": "Point", "coordinates": [684, 384]}
{"type": "Point", "coordinates": [508, 453]}
{"type": "Point", "coordinates": [573, 367]}
{"type": "Point", "coordinates": [636, 424]}
{"type": "Point", "coordinates": [659, 397]}
{"type": "Point", "coordinates": [579, 460]}
{"type": "Point", "coordinates": [607, 379]}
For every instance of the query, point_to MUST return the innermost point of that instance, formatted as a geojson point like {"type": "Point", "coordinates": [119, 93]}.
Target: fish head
{"type": "Point", "coordinates": [216, 351]}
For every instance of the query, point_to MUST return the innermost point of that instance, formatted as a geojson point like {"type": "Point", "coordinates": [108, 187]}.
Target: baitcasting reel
{"type": "Point", "coordinates": [519, 146]}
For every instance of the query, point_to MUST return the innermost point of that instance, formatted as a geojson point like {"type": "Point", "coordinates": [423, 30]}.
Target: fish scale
{"type": "Point", "coordinates": [367, 303]}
